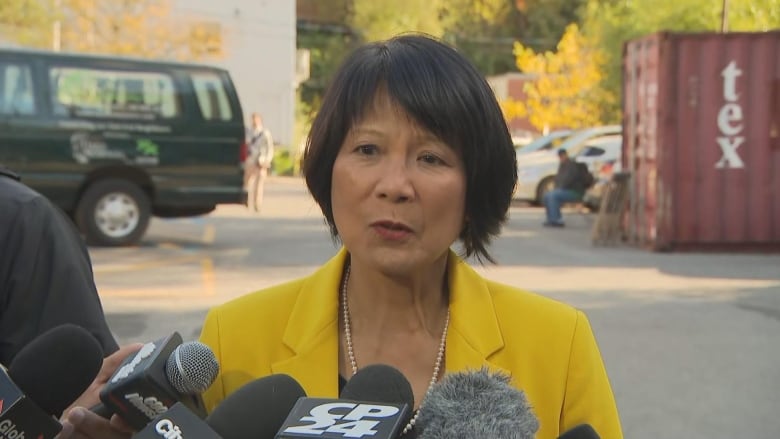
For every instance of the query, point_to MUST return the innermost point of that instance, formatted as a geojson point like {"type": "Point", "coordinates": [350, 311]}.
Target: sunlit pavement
{"type": "Point", "coordinates": [690, 340]}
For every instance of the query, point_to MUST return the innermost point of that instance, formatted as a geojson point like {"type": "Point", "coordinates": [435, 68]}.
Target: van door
{"type": "Point", "coordinates": [22, 147]}
{"type": "Point", "coordinates": [205, 167]}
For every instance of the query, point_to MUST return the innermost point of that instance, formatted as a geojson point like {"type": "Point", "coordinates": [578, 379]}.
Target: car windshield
{"type": "Point", "coordinates": [574, 144]}
{"type": "Point", "coordinates": [547, 142]}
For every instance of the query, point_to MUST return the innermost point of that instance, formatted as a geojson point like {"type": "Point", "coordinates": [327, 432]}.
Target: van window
{"type": "Point", "coordinates": [16, 90]}
{"type": "Point", "coordinates": [212, 97]}
{"type": "Point", "coordinates": [112, 94]}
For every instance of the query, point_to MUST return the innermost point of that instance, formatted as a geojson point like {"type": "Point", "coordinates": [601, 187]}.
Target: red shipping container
{"type": "Point", "coordinates": [701, 139]}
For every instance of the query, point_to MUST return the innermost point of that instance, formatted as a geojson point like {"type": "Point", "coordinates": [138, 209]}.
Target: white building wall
{"type": "Point", "coordinates": [258, 46]}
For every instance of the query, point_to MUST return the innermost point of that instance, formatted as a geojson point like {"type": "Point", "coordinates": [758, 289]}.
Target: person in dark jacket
{"type": "Point", "coordinates": [46, 276]}
{"type": "Point", "coordinates": [569, 187]}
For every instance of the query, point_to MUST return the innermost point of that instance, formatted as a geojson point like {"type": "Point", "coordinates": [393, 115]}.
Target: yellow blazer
{"type": "Point", "coordinates": [546, 346]}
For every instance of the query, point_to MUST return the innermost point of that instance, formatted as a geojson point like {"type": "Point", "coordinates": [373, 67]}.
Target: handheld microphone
{"type": "Point", "coordinates": [477, 404]}
{"type": "Point", "coordinates": [256, 410]}
{"type": "Point", "coordinates": [158, 376]}
{"type": "Point", "coordinates": [45, 377]}
{"type": "Point", "coordinates": [375, 403]}
{"type": "Point", "coordinates": [582, 431]}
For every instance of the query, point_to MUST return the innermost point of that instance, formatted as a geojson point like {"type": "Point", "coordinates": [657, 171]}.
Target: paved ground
{"type": "Point", "coordinates": [691, 341]}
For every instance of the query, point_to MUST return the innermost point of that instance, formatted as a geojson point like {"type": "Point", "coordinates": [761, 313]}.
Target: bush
{"type": "Point", "coordinates": [283, 163]}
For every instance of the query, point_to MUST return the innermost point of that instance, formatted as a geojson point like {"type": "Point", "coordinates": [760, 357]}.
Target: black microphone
{"type": "Point", "coordinates": [375, 403]}
{"type": "Point", "coordinates": [45, 377]}
{"type": "Point", "coordinates": [158, 376]}
{"type": "Point", "coordinates": [478, 404]}
{"type": "Point", "coordinates": [256, 410]}
{"type": "Point", "coordinates": [582, 431]}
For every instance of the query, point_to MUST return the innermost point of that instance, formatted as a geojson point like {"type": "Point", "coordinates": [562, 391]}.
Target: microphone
{"type": "Point", "coordinates": [375, 403]}
{"type": "Point", "coordinates": [379, 383]}
{"type": "Point", "coordinates": [155, 378]}
{"type": "Point", "coordinates": [477, 404]}
{"type": "Point", "coordinates": [45, 377]}
{"type": "Point", "coordinates": [582, 431]}
{"type": "Point", "coordinates": [256, 410]}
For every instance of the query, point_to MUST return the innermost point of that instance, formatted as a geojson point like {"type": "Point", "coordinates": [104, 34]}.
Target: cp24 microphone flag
{"type": "Point", "coordinates": [374, 405]}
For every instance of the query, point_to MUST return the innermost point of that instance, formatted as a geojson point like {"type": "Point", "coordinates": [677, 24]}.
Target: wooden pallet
{"type": "Point", "coordinates": [608, 227]}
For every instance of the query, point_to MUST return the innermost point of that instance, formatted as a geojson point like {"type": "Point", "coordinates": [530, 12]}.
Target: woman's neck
{"type": "Point", "coordinates": [411, 304]}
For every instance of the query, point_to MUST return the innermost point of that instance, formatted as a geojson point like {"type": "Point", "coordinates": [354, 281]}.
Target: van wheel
{"type": "Point", "coordinates": [113, 212]}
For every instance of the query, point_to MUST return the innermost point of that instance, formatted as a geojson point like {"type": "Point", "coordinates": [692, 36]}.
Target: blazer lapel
{"type": "Point", "coordinates": [312, 332]}
{"type": "Point", "coordinates": [474, 334]}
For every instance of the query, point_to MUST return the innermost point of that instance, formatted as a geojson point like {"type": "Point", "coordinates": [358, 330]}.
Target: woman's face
{"type": "Point", "coordinates": [398, 192]}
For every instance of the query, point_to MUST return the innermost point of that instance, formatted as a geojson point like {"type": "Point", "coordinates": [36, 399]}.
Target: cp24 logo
{"type": "Point", "coordinates": [352, 420]}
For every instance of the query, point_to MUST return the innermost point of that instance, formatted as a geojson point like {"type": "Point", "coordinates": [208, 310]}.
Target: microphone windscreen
{"type": "Point", "coordinates": [477, 404]}
{"type": "Point", "coordinates": [582, 431]}
{"type": "Point", "coordinates": [57, 367]}
{"type": "Point", "coordinates": [379, 383]}
{"type": "Point", "coordinates": [191, 368]}
{"type": "Point", "coordinates": [256, 410]}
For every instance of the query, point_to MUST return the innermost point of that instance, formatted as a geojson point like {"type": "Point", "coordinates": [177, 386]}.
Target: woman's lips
{"type": "Point", "coordinates": [391, 230]}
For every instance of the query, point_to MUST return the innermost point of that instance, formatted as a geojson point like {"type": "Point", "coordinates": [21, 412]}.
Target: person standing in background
{"type": "Point", "coordinates": [261, 154]}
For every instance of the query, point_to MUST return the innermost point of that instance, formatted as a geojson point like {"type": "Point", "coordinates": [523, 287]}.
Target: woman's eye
{"type": "Point", "coordinates": [431, 159]}
{"type": "Point", "coordinates": [367, 149]}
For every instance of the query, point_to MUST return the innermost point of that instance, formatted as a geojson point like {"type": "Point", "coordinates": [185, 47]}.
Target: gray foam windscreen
{"type": "Point", "coordinates": [191, 368]}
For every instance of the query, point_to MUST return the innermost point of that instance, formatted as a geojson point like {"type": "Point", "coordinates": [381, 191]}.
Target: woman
{"type": "Point", "coordinates": [409, 154]}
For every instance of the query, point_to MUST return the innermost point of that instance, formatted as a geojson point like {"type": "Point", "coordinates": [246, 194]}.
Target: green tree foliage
{"type": "Point", "coordinates": [381, 19]}
{"type": "Point", "coordinates": [544, 21]}
{"type": "Point", "coordinates": [610, 23]}
{"type": "Point", "coordinates": [484, 31]}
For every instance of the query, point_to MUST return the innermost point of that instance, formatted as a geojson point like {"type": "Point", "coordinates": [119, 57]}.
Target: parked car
{"type": "Point", "coordinates": [537, 176]}
{"type": "Point", "coordinates": [113, 141]}
{"type": "Point", "coordinates": [549, 142]}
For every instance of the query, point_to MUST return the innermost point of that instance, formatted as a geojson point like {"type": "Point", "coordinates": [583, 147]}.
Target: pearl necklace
{"type": "Point", "coordinates": [353, 361]}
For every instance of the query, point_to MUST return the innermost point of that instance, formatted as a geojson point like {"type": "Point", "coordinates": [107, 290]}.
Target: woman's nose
{"type": "Point", "coordinates": [395, 182]}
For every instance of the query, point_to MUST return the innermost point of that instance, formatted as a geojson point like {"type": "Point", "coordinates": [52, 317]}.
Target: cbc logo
{"type": "Point", "coordinates": [358, 420]}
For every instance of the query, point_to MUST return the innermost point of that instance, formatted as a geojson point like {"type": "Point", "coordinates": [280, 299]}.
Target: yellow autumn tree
{"type": "Point", "coordinates": [566, 90]}
{"type": "Point", "coordinates": [144, 28]}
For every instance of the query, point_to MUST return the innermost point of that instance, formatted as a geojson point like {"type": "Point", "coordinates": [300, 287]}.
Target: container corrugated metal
{"type": "Point", "coordinates": [701, 138]}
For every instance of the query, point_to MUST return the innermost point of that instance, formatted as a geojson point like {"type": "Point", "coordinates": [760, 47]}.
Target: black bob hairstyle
{"type": "Point", "coordinates": [445, 94]}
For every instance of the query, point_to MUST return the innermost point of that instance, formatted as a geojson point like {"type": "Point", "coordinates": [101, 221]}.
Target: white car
{"type": "Point", "coordinates": [536, 171]}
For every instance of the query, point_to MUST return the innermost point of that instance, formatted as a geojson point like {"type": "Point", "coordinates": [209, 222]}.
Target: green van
{"type": "Point", "coordinates": [113, 141]}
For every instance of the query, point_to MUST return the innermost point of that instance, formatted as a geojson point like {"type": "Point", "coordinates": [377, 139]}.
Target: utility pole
{"type": "Point", "coordinates": [724, 17]}
{"type": "Point", "coordinates": [56, 43]}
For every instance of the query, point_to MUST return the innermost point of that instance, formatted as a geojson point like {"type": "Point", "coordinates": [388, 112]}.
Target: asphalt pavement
{"type": "Point", "coordinates": [690, 341]}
